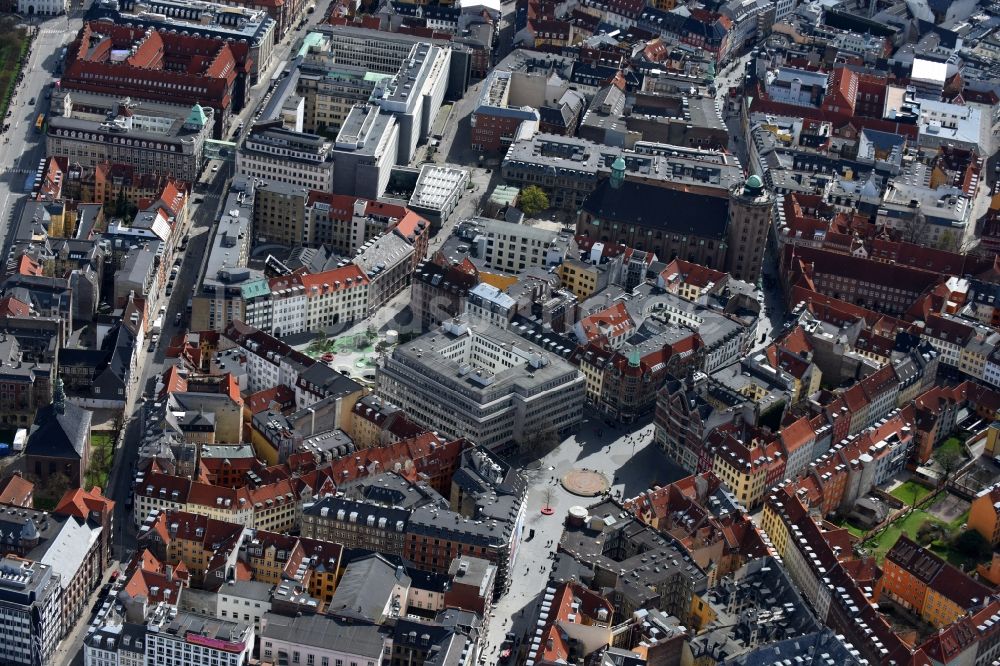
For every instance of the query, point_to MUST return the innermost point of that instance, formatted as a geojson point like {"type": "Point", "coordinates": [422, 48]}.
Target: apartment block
{"type": "Point", "coordinates": [279, 213]}
{"type": "Point", "coordinates": [335, 297]}
{"type": "Point", "coordinates": [919, 580]}
{"type": "Point", "coordinates": [227, 284]}
{"type": "Point", "coordinates": [178, 638]}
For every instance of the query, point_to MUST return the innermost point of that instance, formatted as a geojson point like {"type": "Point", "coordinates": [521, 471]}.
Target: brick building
{"type": "Point", "coordinates": [160, 66]}
{"type": "Point", "coordinates": [494, 120]}
{"type": "Point", "coordinates": [619, 211]}
{"type": "Point", "coordinates": [876, 285]}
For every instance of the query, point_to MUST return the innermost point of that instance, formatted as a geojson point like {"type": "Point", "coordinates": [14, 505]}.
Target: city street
{"type": "Point", "coordinates": [638, 464]}
{"type": "Point", "coordinates": [773, 310]}
{"type": "Point", "coordinates": [206, 200]}
{"type": "Point", "coordinates": [152, 363]}
{"type": "Point", "coordinates": [22, 148]}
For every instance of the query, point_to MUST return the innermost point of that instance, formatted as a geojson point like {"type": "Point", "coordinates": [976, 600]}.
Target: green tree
{"type": "Point", "coordinates": [319, 343]}
{"type": "Point", "coordinates": [931, 531]}
{"type": "Point", "coordinates": [972, 544]}
{"type": "Point", "coordinates": [56, 486]}
{"type": "Point", "coordinates": [949, 459]}
{"type": "Point", "coordinates": [541, 441]}
{"type": "Point", "coordinates": [533, 200]}
{"type": "Point", "coordinates": [949, 241]}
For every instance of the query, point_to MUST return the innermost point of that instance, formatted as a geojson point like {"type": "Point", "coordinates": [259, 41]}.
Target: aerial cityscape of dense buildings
{"type": "Point", "coordinates": [500, 332]}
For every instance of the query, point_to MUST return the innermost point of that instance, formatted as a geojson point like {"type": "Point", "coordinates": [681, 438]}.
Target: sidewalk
{"type": "Point", "coordinates": [70, 649]}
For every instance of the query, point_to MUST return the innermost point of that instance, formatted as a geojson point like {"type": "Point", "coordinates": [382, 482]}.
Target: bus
{"type": "Point", "coordinates": [40, 123]}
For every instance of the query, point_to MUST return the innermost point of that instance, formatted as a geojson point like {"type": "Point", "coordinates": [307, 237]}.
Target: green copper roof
{"type": "Point", "coordinates": [310, 40]}
{"type": "Point", "coordinates": [197, 116]}
{"type": "Point", "coordinates": [618, 164]}
{"type": "Point", "coordinates": [754, 182]}
{"type": "Point", "coordinates": [255, 289]}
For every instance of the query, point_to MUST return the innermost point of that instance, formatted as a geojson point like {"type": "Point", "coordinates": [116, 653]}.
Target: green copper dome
{"type": "Point", "coordinates": [753, 186]}
{"type": "Point", "coordinates": [617, 172]}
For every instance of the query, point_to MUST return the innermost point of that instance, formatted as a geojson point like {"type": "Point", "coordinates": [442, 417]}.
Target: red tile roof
{"type": "Point", "coordinates": [948, 330]}
{"type": "Point", "coordinates": [334, 279]}
{"type": "Point", "coordinates": [693, 274]}
{"type": "Point", "coordinates": [12, 307]}
{"type": "Point", "coordinates": [148, 578]}
{"type": "Point", "coordinates": [27, 266]}
{"type": "Point", "coordinates": [555, 645]}
{"type": "Point", "coordinates": [221, 497]}
{"type": "Point", "coordinates": [612, 322]}
{"type": "Point", "coordinates": [855, 398]}
{"type": "Point", "coordinates": [81, 503]}
{"type": "Point", "coordinates": [279, 396]}
{"type": "Point", "coordinates": [880, 382]}
{"type": "Point", "coordinates": [18, 491]}
{"type": "Point", "coordinates": [156, 481]}
{"type": "Point", "coordinates": [281, 492]}
{"type": "Point", "coordinates": [411, 225]}
{"type": "Point", "coordinates": [797, 434]}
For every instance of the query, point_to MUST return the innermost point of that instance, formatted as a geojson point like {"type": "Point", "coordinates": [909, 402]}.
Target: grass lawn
{"type": "Point", "coordinates": [905, 492]}
{"type": "Point", "coordinates": [907, 525]}
{"type": "Point", "coordinates": [12, 44]}
{"type": "Point", "coordinates": [853, 529]}
{"type": "Point", "coordinates": [102, 453]}
{"type": "Point", "coordinates": [910, 525]}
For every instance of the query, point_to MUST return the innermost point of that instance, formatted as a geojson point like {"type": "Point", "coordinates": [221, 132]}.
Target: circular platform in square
{"type": "Point", "coordinates": [585, 482]}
